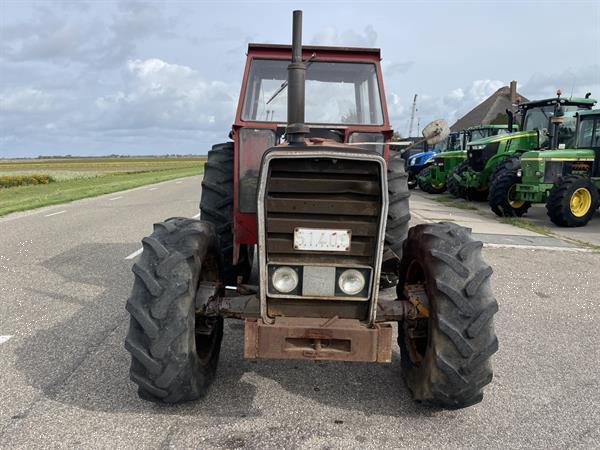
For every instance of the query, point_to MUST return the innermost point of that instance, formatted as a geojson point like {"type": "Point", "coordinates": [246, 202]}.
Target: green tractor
{"type": "Point", "coordinates": [433, 178]}
{"type": "Point", "coordinates": [567, 179]}
{"type": "Point", "coordinates": [489, 157]}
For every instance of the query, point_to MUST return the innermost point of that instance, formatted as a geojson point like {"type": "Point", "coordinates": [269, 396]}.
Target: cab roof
{"type": "Point", "coordinates": [257, 46]}
{"type": "Point", "coordinates": [591, 112]}
{"type": "Point", "coordinates": [493, 126]}
{"type": "Point", "coordinates": [585, 102]}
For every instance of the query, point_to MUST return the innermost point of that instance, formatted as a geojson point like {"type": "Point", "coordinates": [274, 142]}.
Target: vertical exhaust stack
{"type": "Point", "coordinates": [513, 92]}
{"type": "Point", "coordinates": [296, 128]}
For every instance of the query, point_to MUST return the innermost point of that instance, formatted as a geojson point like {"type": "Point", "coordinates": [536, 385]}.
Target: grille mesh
{"type": "Point", "coordinates": [323, 193]}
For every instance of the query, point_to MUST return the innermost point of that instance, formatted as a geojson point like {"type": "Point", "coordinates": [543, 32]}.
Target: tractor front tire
{"type": "Point", "coordinates": [501, 197]}
{"type": "Point", "coordinates": [509, 163]}
{"type": "Point", "coordinates": [446, 357]}
{"type": "Point", "coordinates": [426, 185]}
{"type": "Point", "coordinates": [174, 352]}
{"type": "Point", "coordinates": [216, 207]}
{"type": "Point", "coordinates": [454, 186]}
{"type": "Point", "coordinates": [398, 212]}
{"type": "Point", "coordinates": [572, 201]}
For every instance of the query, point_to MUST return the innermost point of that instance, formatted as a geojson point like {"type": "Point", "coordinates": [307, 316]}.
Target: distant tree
{"type": "Point", "coordinates": [396, 136]}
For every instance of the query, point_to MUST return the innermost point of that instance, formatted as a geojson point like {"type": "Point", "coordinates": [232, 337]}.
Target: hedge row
{"type": "Point", "coordinates": [23, 180]}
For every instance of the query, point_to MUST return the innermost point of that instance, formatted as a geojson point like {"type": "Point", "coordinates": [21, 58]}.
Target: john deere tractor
{"type": "Point", "coordinates": [418, 164]}
{"type": "Point", "coordinates": [297, 227]}
{"type": "Point", "coordinates": [486, 158]}
{"type": "Point", "coordinates": [567, 180]}
{"type": "Point", "coordinates": [433, 176]}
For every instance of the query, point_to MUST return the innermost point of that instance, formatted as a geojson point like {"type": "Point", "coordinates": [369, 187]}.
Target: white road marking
{"type": "Point", "coordinates": [134, 254]}
{"type": "Point", "coordinates": [178, 182]}
{"type": "Point", "coordinates": [196, 216]}
{"type": "Point", "coordinates": [4, 339]}
{"type": "Point", "coordinates": [539, 247]}
{"type": "Point", "coordinates": [115, 198]}
{"type": "Point", "coordinates": [153, 189]}
{"type": "Point", "coordinates": [56, 213]}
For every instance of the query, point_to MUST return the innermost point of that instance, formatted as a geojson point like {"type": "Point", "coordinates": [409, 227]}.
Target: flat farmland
{"type": "Point", "coordinates": [75, 178]}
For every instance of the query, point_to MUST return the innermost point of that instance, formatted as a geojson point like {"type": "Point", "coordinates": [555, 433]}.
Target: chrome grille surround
{"type": "Point", "coordinates": [322, 153]}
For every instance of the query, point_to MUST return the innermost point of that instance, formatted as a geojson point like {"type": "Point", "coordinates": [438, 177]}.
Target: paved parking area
{"type": "Point", "coordinates": [64, 381]}
{"type": "Point", "coordinates": [479, 217]}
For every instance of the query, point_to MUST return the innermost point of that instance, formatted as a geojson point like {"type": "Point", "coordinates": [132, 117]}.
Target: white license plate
{"type": "Point", "coordinates": [322, 240]}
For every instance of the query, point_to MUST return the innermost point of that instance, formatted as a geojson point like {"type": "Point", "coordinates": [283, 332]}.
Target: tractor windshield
{"type": "Point", "coordinates": [538, 118]}
{"type": "Point", "coordinates": [486, 132]}
{"type": "Point", "coordinates": [589, 134]}
{"type": "Point", "coordinates": [336, 93]}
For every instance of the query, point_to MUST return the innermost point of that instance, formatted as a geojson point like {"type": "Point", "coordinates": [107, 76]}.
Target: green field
{"type": "Point", "coordinates": [75, 178]}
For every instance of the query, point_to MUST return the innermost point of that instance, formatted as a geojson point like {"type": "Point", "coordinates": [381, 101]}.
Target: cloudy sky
{"type": "Point", "coordinates": [102, 77]}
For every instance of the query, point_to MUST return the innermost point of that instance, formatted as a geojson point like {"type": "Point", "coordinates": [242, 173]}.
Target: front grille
{"type": "Point", "coordinates": [478, 158]}
{"type": "Point", "coordinates": [323, 193]}
{"type": "Point", "coordinates": [553, 171]}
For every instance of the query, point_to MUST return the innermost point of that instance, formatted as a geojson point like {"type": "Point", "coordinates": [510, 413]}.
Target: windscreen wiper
{"type": "Point", "coordinates": [308, 62]}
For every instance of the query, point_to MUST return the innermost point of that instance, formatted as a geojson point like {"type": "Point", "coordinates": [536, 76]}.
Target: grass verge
{"type": "Point", "coordinates": [22, 198]}
{"type": "Point", "coordinates": [453, 202]}
{"type": "Point", "coordinates": [527, 225]}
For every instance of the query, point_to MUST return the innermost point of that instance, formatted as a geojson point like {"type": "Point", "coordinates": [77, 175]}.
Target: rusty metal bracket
{"type": "Point", "coordinates": [213, 300]}
{"type": "Point", "coordinates": [316, 339]}
{"type": "Point", "coordinates": [416, 295]}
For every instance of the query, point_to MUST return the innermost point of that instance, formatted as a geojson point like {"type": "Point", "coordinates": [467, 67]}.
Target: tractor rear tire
{"type": "Point", "coordinates": [446, 362]}
{"type": "Point", "coordinates": [454, 187]}
{"type": "Point", "coordinates": [572, 201]}
{"type": "Point", "coordinates": [500, 196]}
{"type": "Point", "coordinates": [216, 206]}
{"type": "Point", "coordinates": [174, 352]}
{"type": "Point", "coordinates": [398, 213]}
{"type": "Point", "coordinates": [425, 183]}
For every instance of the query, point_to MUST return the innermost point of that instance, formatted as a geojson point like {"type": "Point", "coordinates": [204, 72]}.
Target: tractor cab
{"type": "Point", "coordinates": [344, 104]}
{"type": "Point", "coordinates": [484, 131]}
{"type": "Point", "coordinates": [537, 116]}
{"type": "Point", "coordinates": [588, 137]}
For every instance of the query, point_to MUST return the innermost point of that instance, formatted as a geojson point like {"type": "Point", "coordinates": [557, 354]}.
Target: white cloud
{"type": "Point", "coordinates": [330, 35]}
{"type": "Point", "coordinates": [167, 96]}
{"type": "Point", "coordinates": [27, 101]}
{"type": "Point", "coordinates": [585, 79]}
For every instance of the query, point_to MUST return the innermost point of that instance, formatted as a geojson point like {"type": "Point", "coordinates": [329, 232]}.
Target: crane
{"type": "Point", "coordinates": [412, 116]}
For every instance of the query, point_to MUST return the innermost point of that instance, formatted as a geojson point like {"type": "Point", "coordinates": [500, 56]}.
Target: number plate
{"type": "Point", "coordinates": [322, 240]}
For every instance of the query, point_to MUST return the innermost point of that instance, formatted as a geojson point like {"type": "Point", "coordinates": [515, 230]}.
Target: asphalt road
{"type": "Point", "coordinates": [64, 279]}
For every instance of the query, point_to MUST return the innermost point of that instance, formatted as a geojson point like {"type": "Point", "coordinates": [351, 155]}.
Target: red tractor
{"type": "Point", "coordinates": [303, 233]}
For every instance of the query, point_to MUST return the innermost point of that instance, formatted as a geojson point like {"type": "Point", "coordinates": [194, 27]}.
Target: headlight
{"type": "Point", "coordinates": [351, 282]}
{"type": "Point", "coordinates": [477, 147]}
{"type": "Point", "coordinates": [285, 279]}
{"type": "Point", "coordinates": [537, 173]}
{"type": "Point", "coordinates": [519, 173]}
{"type": "Point", "coordinates": [412, 162]}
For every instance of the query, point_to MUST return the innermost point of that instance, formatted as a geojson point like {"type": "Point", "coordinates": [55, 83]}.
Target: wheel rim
{"type": "Point", "coordinates": [516, 204]}
{"type": "Point", "coordinates": [416, 332]}
{"type": "Point", "coordinates": [581, 202]}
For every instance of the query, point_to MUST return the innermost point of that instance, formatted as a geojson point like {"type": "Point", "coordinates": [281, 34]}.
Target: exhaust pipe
{"type": "Point", "coordinates": [296, 128]}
